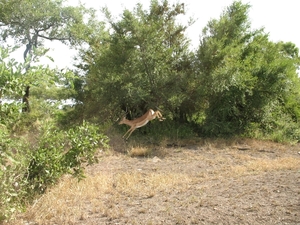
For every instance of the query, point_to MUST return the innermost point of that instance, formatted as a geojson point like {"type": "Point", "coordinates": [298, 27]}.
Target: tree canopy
{"type": "Point", "coordinates": [30, 22]}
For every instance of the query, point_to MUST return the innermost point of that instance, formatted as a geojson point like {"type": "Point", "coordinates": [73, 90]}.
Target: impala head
{"type": "Point", "coordinates": [122, 121]}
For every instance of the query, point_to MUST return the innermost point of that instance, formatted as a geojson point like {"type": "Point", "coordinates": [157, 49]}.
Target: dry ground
{"type": "Point", "coordinates": [203, 182]}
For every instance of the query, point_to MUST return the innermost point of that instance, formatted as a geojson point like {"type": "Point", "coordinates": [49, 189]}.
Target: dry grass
{"type": "Point", "coordinates": [128, 189]}
{"type": "Point", "coordinates": [265, 165]}
{"type": "Point", "coordinates": [100, 193]}
{"type": "Point", "coordinates": [139, 152]}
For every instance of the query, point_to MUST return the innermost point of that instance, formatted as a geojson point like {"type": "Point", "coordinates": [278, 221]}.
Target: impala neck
{"type": "Point", "coordinates": [125, 121]}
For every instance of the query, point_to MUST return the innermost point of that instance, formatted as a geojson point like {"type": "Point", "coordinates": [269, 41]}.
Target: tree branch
{"type": "Point", "coordinates": [54, 38]}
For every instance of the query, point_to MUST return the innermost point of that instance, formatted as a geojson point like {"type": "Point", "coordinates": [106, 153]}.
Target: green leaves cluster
{"type": "Point", "coordinates": [142, 63]}
{"type": "Point", "coordinates": [12, 166]}
{"type": "Point", "coordinates": [60, 152]}
{"type": "Point", "coordinates": [12, 84]}
{"type": "Point", "coordinates": [27, 21]}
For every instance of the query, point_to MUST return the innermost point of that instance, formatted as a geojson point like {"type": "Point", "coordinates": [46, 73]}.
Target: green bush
{"type": "Point", "coordinates": [12, 167]}
{"type": "Point", "coordinates": [276, 126]}
{"type": "Point", "coordinates": [28, 170]}
{"type": "Point", "coordinates": [59, 152]}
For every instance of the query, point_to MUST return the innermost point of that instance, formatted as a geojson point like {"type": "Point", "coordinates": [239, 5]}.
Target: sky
{"type": "Point", "coordinates": [279, 18]}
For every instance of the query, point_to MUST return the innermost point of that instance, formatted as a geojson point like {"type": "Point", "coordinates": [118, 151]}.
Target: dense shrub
{"type": "Point", "coordinates": [28, 170]}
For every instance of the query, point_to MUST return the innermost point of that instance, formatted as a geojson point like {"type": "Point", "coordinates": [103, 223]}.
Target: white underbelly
{"type": "Point", "coordinates": [143, 124]}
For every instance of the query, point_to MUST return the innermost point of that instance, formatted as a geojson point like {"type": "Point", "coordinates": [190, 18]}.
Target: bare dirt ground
{"type": "Point", "coordinates": [204, 182]}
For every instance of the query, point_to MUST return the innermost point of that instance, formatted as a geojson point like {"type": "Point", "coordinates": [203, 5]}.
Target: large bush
{"type": "Point", "coordinates": [246, 78]}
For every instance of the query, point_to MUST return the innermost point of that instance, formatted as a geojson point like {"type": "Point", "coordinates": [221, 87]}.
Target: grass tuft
{"type": "Point", "coordinates": [139, 152]}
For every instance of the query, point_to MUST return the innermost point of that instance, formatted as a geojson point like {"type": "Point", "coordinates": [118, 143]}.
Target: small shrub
{"type": "Point", "coordinates": [60, 152]}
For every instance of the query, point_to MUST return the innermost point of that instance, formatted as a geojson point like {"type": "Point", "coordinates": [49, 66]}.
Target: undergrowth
{"type": "Point", "coordinates": [28, 169]}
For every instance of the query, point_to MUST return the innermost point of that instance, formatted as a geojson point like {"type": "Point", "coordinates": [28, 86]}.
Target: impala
{"type": "Point", "coordinates": [141, 121]}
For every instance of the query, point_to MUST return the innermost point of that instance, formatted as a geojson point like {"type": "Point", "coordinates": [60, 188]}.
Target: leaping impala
{"type": "Point", "coordinates": [141, 121]}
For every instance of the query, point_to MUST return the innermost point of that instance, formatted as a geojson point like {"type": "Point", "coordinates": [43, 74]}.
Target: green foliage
{"type": "Point", "coordinates": [11, 88]}
{"type": "Point", "coordinates": [59, 152]}
{"type": "Point", "coordinates": [44, 166]}
{"type": "Point", "coordinates": [142, 64]}
{"type": "Point", "coordinates": [243, 74]}
{"type": "Point", "coordinates": [34, 151]}
{"type": "Point", "coordinates": [30, 22]}
{"type": "Point", "coordinates": [12, 167]}
{"type": "Point", "coordinates": [172, 130]}
{"type": "Point", "coordinates": [29, 169]}
{"type": "Point", "coordinates": [276, 125]}
{"type": "Point", "coordinates": [49, 89]}
{"type": "Point", "coordinates": [83, 143]}
{"type": "Point", "coordinates": [39, 19]}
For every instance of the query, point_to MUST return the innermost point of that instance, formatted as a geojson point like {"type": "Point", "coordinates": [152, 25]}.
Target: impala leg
{"type": "Point", "coordinates": [126, 133]}
{"type": "Point", "coordinates": [159, 115]}
{"type": "Point", "coordinates": [130, 133]}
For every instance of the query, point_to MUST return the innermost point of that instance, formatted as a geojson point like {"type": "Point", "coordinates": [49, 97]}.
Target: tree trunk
{"type": "Point", "coordinates": [25, 100]}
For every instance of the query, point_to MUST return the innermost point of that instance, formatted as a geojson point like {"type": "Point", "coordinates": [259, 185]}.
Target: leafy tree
{"type": "Point", "coordinates": [49, 88]}
{"type": "Point", "coordinates": [143, 63]}
{"type": "Point", "coordinates": [31, 22]}
{"type": "Point", "coordinates": [243, 74]}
